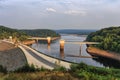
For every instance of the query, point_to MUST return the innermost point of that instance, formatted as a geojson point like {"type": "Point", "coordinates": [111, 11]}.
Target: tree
{"type": "Point", "coordinates": [109, 38]}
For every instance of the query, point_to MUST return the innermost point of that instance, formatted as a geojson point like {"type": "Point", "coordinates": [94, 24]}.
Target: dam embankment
{"type": "Point", "coordinates": [11, 57]}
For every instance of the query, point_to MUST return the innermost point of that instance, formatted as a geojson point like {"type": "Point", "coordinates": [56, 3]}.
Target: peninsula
{"type": "Point", "coordinates": [109, 39]}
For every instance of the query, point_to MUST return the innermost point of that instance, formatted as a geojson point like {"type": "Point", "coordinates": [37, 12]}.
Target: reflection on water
{"type": "Point", "coordinates": [69, 49]}
{"type": "Point", "coordinates": [48, 47]}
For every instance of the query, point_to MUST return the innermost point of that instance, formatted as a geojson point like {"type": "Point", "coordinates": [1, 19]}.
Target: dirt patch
{"type": "Point", "coordinates": [98, 52]}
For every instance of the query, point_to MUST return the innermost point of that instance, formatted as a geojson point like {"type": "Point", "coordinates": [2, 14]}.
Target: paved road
{"type": "Point", "coordinates": [36, 60]}
{"type": "Point", "coordinates": [39, 58]}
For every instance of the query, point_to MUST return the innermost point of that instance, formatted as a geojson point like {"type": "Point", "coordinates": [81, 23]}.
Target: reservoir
{"type": "Point", "coordinates": [69, 49]}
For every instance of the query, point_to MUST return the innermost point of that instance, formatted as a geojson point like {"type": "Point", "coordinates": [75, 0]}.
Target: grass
{"type": "Point", "coordinates": [94, 73]}
{"type": "Point", "coordinates": [46, 75]}
{"type": "Point", "coordinates": [77, 72]}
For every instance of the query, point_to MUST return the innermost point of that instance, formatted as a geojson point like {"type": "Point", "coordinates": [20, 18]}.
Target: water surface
{"type": "Point", "coordinates": [69, 49]}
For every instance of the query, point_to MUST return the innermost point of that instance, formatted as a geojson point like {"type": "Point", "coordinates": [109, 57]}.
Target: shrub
{"type": "Point", "coordinates": [59, 68]}
{"type": "Point", "coordinates": [27, 68]}
{"type": "Point", "coordinates": [43, 69]}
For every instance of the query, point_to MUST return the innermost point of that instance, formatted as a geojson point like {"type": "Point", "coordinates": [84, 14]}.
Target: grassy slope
{"type": "Point", "coordinates": [77, 72]}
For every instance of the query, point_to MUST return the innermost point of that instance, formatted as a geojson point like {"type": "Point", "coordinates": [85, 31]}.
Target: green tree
{"type": "Point", "coordinates": [109, 38]}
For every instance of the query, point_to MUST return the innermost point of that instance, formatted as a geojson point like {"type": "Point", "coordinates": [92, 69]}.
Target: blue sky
{"type": "Point", "coordinates": [59, 14]}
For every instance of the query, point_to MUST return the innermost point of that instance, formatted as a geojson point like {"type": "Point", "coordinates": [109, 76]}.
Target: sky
{"type": "Point", "coordinates": [59, 14]}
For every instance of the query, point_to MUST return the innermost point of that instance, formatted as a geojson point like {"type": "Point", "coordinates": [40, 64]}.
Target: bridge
{"type": "Point", "coordinates": [38, 38]}
{"type": "Point", "coordinates": [62, 42]}
{"type": "Point", "coordinates": [43, 38]}
{"type": "Point", "coordinates": [79, 42]}
{"type": "Point", "coordinates": [49, 39]}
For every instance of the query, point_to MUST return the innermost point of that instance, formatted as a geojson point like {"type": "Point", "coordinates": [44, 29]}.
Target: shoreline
{"type": "Point", "coordinates": [102, 53]}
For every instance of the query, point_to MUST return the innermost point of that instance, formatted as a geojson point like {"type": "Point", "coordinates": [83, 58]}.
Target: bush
{"type": "Point", "coordinates": [27, 68]}
{"type": "Point", "coordinates": [43, 69]}
{"type": "Point", "coordinates": [59, 68]}
{"type": "Point", "coordinates": [86, 72]}
{"type": "Point", "coordinates": [80, 66]}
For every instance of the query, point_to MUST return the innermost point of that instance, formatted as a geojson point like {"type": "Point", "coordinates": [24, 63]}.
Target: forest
{"type": "Point", "coordinates": [41, 33]}
{"type": "Point", "coordinates": [109, 39]}
{"type": "Point", "coordinates": [22, 35]}
{"type": "Point", "coordinates": [6, 32]}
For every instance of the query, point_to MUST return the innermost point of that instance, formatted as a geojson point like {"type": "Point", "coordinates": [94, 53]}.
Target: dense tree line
{"type": "Point", "coordinates": [6, 32]}
{"type": "Point", "coordinates": [109, 38]}
{"type": "Point", "coordinates": [22, 35]}
{"type": "Point", "coordinates": [41, 33]}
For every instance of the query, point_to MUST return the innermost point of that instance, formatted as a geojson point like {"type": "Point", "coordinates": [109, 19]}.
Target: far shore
{"type": "Point", "coordinates": [98, 52]}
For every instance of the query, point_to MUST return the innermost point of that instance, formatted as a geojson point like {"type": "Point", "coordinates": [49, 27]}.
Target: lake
{"type": "Point", "coordinates": [69, 49]}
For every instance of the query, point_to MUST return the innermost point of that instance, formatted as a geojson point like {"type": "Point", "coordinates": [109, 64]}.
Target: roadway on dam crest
{"type": "Point", "coordinates": [41, 60]}
{"type": "Point", "coordinates": [35, 59]}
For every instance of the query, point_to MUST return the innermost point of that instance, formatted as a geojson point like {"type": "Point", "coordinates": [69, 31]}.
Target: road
{"type": "Point", "coordinates": [42, 60]}
{"type": "Point", "coordinates": [36, 60]}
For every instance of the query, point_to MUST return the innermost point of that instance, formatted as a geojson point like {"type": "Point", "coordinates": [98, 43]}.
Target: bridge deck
{"type": "Point", "coordinates": [74, 42]}
{"type": "Point", "coordinates": [43, 38]}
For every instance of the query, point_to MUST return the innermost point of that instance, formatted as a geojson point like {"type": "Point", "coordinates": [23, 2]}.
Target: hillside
{"type": "Point", "coordinates": [41, 33]}
{"type": "Point", "coordinates": [5, 32]}
{"type": "Point", "coordinates": [109, 39]}
{"type": "Point", "coordinates": [22, 35]}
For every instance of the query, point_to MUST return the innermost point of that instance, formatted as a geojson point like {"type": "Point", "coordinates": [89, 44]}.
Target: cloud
{"type": "Point", "coordinates": [50, 10]}
{"type": "Point", "coordinates": [2, 0]}
{"type": "Point", "coordinates": [84, 13]}
{"type": "Point", "coordinates": [75, 12]}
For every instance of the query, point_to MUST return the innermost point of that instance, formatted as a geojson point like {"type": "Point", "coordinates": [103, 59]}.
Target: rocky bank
{"type": "Point", "coordinates": [11, 57]}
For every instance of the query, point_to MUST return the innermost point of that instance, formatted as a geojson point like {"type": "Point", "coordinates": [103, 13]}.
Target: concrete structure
{"type": "Point", "coordinates": [33, 60]}
{"type": "Point", "coordinates": [62, 42]}
{"type": "Point", "coordinates": [49, 39]}
{"type": "Point", "coordinates": [43, 38]}
{"type": "Point", "coordinates": [42, 60]}
{"type": "Point", "coordinates": [74, 42]}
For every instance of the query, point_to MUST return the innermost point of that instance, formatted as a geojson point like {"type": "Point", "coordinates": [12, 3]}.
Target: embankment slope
{"type": "Point", "coordinates": [11, 57]}
{"type": "Point", "coordinates": [98, 52]}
